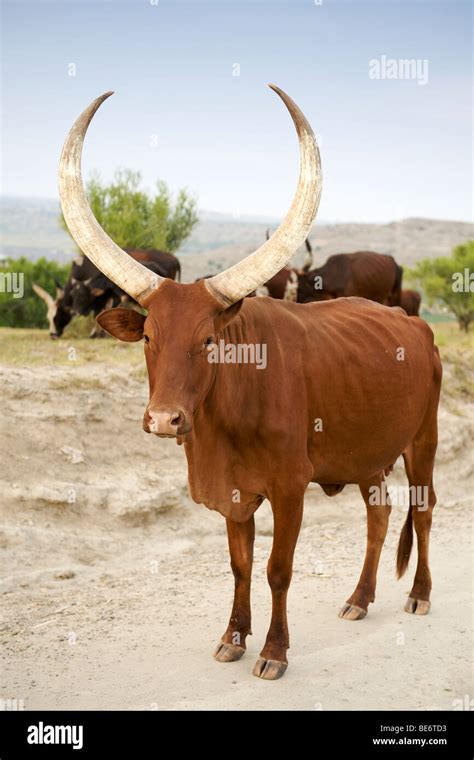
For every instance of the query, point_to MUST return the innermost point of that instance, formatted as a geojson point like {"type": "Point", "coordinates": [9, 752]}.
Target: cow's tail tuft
{"type": "Point", "coordinates": [405, 544]}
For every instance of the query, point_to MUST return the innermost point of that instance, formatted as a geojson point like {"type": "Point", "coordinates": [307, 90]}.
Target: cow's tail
{"type": "Point", "coordinates": [405, 544]}
{"type": "Point", "coordinates": [178, 272]}
{"type": "Point", "coordinates": [397, 288]}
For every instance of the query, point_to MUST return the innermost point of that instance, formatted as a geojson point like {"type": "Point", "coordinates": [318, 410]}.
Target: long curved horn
{"type": "Point", "coordinates": [128, 274]}
{"type": "Point", "coordinates": [47, 298]}
{"type": "Point", "coordinates": [242, 278]}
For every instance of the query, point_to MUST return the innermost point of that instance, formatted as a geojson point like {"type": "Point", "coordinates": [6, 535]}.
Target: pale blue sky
{"type": "Point", "coordinates": [390, 148]}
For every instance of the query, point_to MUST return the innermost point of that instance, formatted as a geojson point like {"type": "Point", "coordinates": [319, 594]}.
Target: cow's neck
{"type": "Point", "coordinates": [224, 445]}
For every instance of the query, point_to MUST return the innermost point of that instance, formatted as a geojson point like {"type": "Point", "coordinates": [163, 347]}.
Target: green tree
{"type": "Point", "coordinates": [450, 279]}
{"type": "Point", "coordinates": [134, 218]}
{"type": "Point", "coordinates": [19, 304]}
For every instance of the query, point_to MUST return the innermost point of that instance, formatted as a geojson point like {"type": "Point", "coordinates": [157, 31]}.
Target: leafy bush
{"type": "Point", "coordinates": [450, 279]}
{"type": "Point", "coordinates": [136, 219]}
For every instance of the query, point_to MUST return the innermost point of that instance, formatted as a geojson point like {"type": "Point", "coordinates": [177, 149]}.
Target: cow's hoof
{"type": "Point", "coordinates": [270, 670]}
{"type": "Point", "coordinates": [228, 652]}
{"type": "Point", "coordinates": [417, 606]}
{"type": "Point", "coordinates": [352, 612]}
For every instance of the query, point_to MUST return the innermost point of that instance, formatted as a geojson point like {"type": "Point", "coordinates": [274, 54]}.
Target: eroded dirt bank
{"type": "Point", "coordinates": [116, 587]}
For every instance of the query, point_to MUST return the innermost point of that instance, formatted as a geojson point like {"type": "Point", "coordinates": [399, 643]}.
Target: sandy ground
{"type": "Point", "coordinates": [116, 587]}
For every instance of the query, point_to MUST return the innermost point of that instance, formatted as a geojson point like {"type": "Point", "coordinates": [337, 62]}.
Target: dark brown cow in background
{"type": "Point", "coordinates": [410, 301]}
{"type": "Point", "coordinates": [88, 291]}
{"type": "Point", "coordinates": [167, 262]}
{"type": "Point", "coordinates": [251, 435]}
{"type": "Point", "coordinates": [366, 274]}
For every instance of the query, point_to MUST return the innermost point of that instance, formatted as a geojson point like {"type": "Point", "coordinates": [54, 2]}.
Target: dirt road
{"type": "Point", "coordinates": [116, 587]}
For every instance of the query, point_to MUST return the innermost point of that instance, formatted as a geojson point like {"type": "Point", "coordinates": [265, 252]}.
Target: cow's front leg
{"type": "Point", "coordinates": [241, 537]}
{"type": "Point", "coordinates": [287, 514]}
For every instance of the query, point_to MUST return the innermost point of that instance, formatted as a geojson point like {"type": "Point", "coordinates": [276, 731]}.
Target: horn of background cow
{"type": "Point", "coordinates": [308, 258]}
{"type": "Point", "coordinates": [128, 274]}
{"type": "Point", "coordinates": [43, 294]}
{"type": "Point", "coordinates": [242, 278]}
{"type": "Point", "coordinates": [59, 289]}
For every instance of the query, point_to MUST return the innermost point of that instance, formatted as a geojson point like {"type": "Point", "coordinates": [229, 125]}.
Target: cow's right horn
{"type": "Point", "coordinates": [128, 274]}
{"type": "Point", "coordinates": [257, 268]}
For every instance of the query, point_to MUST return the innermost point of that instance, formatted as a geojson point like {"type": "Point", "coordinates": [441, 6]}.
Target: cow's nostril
{"type": "Point", "coordinates": [165, 423]}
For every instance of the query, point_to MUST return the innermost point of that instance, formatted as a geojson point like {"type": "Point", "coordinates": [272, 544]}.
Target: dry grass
{"type": "Point", "coordinates": [449, 336]}
{"type": "Point", "coordinates": [76, 382]}
{"type": "Point", "coordinates": [456, 349]}
{"type": "Point", "coordinates": [34, 348]}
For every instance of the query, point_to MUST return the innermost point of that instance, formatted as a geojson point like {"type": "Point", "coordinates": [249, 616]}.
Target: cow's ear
{"type": "Point", "coordinates": [226, 316]}
{"type": "Point", "coordinates": [124, 324]}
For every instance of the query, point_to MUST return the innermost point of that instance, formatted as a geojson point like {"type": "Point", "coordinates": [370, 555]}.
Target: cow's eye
{"type": "Point", "coordinates": [209, 341]}
{"type": "Point", "coordinates": [146, 338]}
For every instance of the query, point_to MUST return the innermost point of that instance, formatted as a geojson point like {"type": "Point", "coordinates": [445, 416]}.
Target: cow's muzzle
{"type": "Point", "coordinates": [166, 424]}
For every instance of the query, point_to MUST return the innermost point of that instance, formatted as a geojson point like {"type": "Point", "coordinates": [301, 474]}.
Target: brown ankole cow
{"type": "Point", "coordinates": [410, 301]}
{"type": "Point", "coordinates": [366, 274]}
{"type": "Point", "coordinates": [348, 386]}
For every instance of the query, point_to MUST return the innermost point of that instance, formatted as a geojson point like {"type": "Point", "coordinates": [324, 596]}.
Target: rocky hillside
{"type": "Point", "coordinates": [30, 228]}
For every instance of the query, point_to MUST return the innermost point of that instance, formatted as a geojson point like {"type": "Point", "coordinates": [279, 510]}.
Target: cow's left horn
{"type": "Point", "coordinates": [128, 274]}
{"type": "Point", "coordinates": [242, 278]}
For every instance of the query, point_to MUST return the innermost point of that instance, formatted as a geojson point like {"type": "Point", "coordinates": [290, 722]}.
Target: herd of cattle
{"type": "Point", "coordinates": [366, 274]}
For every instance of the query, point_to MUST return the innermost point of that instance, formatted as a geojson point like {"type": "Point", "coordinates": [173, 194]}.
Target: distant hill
{"type": "Point", "coordinates": [29, 227]}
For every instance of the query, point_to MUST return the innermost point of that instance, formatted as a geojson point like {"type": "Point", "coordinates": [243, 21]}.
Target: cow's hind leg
{"type": "Point", "coordinates": [378, 512]}
{"type": "Point", "coordinates": [419, 462]}
{"type": "Point", "coordinates": [422, 502]}
{"type": "Point", "coordinates": [241, 538]}
{"type": "Point", "coordinates": [273, 662]}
